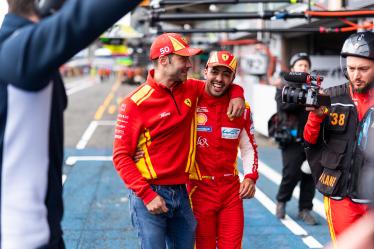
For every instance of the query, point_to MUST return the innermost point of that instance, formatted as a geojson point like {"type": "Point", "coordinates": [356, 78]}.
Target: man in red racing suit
{"type": "Point", "coordinates": [159, 118]}
{"type": "Point", "coordinates": [215, 190]}
{"type": "Point", "coordinates": [336, 144]}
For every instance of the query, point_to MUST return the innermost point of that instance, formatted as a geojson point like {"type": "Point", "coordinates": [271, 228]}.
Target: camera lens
{"type": "Point", "coordinates": [294, 95]}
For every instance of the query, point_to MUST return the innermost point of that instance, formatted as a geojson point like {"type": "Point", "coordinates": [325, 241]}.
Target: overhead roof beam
{"type": "Point", "coordinates": [177, 2]}
{"type": "Point", "coordinates": [235, 30]}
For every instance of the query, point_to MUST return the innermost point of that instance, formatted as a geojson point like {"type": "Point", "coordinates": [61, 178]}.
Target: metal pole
{"type": "Point", "coordinates": [159, 17]}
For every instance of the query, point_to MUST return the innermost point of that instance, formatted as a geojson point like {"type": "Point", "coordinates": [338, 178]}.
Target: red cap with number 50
{"type": "Point", "coordinates": [171, 43]}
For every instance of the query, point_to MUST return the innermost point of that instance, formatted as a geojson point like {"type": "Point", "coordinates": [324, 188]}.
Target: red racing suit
{"type": "Point", "coordinates": [214, 184]}
{"type": "Point", "coordinates": [161, 122]}
{"type": "Point", "coordinates": [343, 207]}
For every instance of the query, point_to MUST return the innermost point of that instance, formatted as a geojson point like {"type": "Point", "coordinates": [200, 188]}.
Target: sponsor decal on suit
{"type": "Point", "coordinates": [201, 119]}
{"type": "Point", "coordinates": [202, 109]}
{"type": "Point", "coordinates": [230, 133]}
{"type": "Point", "coordinates": [204, 128]}
{"type": "Point", "coordinates": [202, 142]}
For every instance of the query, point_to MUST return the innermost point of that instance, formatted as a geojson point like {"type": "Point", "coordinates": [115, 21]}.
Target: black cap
{"type": "Point", "coordinates": [300, 56]}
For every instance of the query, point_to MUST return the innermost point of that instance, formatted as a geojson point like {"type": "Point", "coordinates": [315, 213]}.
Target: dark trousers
{"type": "Point", "coordinates": [293, 156]}
{"type": "Point", "coordinates": [58, 243]}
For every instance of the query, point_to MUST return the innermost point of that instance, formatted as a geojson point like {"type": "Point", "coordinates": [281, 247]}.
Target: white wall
{"type": "Point", "coordinates": [3, 10]}
{"type": "Point", "coordinates": [261, 99]}
{"type": "Point", "coordinates": [329, 67]}
{"type": "Point", "coordinates": [263, 106]}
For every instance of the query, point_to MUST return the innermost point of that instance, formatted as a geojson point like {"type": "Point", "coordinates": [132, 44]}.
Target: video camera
{"type": "Point", "coordinates": [307, 94]}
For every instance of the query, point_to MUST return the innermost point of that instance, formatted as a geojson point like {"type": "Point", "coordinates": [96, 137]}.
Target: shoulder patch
{"type": "Point", "coordinates": [142, 94]}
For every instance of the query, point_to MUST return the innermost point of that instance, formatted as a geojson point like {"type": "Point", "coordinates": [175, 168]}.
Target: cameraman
{"type": "Point", "coordinates": [293, 118]}
{"type": "Point", "coordinates": [360, 235]}
{"type": "Point", "coordinates": [32, 101]}
{"type": "Point", "coordinates": [338, 138]}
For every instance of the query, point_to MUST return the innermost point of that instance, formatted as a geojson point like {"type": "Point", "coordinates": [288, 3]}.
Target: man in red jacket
{"type": "Point", "coordinates": [215, 189]}
{"type": "Point", "coordinates": [159, 119]}
{"type": "Point", "coordinates": [337, 138]}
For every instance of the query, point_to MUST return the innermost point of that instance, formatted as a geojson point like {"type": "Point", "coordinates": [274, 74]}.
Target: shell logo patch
{"type": "Point", "coordinates": [201, 119]}
{"type": "Point", "coordinates": [188, 102]}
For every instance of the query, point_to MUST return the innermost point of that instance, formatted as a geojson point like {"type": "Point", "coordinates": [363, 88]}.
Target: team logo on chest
{"type": "Point", "coordinates": [188, 102]}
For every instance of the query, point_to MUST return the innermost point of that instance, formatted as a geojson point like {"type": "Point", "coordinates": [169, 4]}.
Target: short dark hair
{"type": "Point", "coordinates": [22, 7]}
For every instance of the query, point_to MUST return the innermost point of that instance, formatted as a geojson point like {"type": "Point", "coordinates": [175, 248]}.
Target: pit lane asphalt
{"type": "Point", "coordinates": [96, 203]}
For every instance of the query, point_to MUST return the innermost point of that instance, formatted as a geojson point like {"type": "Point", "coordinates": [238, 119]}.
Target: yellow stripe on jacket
{"type": "Point", "coordinates": [145, 165]}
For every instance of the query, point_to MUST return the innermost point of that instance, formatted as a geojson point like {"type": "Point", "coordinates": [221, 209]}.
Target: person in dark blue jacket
{"type": "Point", "coordinates": [293, 119]}
{"type": "Point", "coordinates": [32, 101]}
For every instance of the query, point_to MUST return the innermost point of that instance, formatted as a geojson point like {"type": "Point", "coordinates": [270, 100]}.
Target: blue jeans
{"type": "Point", "coordinates": [174, 229]}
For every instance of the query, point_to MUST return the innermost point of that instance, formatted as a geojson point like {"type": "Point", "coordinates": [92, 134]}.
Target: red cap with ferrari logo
{"type": "Point", "coordinates": [222, 58]}
{"type": "Point", "coordinates": [171, 43]}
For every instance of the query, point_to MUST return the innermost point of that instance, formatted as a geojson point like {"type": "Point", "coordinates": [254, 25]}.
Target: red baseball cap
{"type": "Point", "coordinates": [222, 58]}
{"type": "Point", "coordinates": [171, 43]}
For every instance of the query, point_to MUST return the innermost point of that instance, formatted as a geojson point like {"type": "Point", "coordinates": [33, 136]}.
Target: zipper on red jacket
{"type": "Point", "coordinates": [175, 102]}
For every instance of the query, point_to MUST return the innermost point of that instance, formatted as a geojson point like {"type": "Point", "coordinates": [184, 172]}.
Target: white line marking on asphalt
{"type": "Point", "coordinates": [288, 222]}
{"type": "Point", "coordinates": [312, 242]}
{"type": "Point", "coordinates": [275, 177]}
{"type": "Point", "coordinates": [90, 131]}
{"type": "Point", "coordinates": [106, 122]}
{"type": "Point", "coordinates": [79, 86]}
{"type": "Point", "coordinates": [87, 135]}
{"type": "Point", "coordinates": [71, 160]}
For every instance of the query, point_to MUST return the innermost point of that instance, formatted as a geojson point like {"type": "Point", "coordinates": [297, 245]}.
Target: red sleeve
{"type": "Point", "coordinates": [127, 131]}
{"type": "Point", "coordinates": [236, 91]}
{"type": "Point", "coordinates": [312, 128]}
{"type": "Point", "coordinates": [199, 86]}
{"type": "Point", "coordinates": [248, 147]}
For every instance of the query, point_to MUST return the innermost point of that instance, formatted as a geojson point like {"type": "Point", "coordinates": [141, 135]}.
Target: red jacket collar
{"type": "Point", "coordinates": [151, 81]}
{"type": "Point", "coordinates": [158, 85]}
{"type": "Point", "coordinates": [216, 100]}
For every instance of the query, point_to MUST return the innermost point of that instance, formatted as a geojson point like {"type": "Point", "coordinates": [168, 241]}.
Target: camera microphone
{"type": "Point", "coordinates": [308, 94]}
{"type": "Point", "coordinates": [302, 78]}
